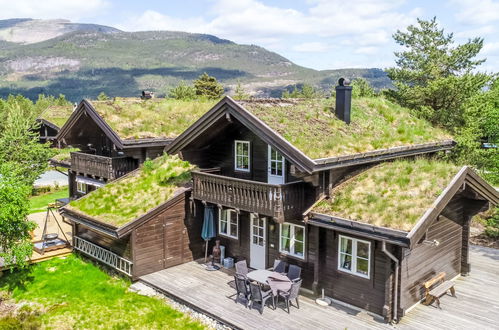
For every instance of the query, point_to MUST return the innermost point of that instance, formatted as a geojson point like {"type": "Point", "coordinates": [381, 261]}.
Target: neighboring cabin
{"type": "Point", "coordinates": [51, 120]}
{"type": "Point", "coordinates": [358, 206]}
{"type": "Point", "coordinates": [114, 137]}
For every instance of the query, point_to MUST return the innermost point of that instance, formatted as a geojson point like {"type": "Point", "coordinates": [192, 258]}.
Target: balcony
{"type": "Point", "coordinates": [105, 167]}
{"type": "Point", "coordinates": [278, 201]}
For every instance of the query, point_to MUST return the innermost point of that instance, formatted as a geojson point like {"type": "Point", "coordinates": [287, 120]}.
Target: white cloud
{"type": "Point", "coordinates": [152, 20]}
{"type": "Point", "coordinates": [478, 32]}
{"type": "Point", "coordinates": [366, 50]}
{"type": "Point", "coordinates": [476, 11]}
{"type": "Point", "coordinates": [312, 47]}
{"type": "Point", "coordinates": [490, 49]}
{"type": "Point", "coordinates": [47, 9]}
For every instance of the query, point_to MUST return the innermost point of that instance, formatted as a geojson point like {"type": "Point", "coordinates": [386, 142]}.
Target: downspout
{"type": "Point", "coordinates": [396, 285]}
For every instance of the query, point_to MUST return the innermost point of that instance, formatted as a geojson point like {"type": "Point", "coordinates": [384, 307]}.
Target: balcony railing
{"type": "Point", "coordinates": [105, 256]}
{"type": "Point", "coordinates": [105, 167]}
{"type": "Point", "coordinates": [278, 201]}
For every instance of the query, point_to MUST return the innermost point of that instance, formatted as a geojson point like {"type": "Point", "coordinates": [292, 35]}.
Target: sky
{"type": "Point", "coordinates": [319, 34]}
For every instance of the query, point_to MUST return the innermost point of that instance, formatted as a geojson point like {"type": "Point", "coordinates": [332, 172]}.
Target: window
{"type": "Point", "coordinates": [228, 223]}
{"type": "Point", "coordinates": [81, 187]}
{"type": "Point", "coordinates": [242, 156]}
{"type": "Point", "coordinates": [354, 256]}
{"type": "Point", "coordinates": [292, 240]}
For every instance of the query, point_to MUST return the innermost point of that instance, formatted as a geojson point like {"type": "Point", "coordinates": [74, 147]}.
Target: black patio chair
{"type": "Point", "coordinates": [279, 266]}
{"type": "Point", "coordinates": [260, 296]}
{"type": "Point", "coordinates": [294, 273]}
{"type": "Point", "coordinates": [291, 294]}
{"type": "Point", "coordinates": [242, 288]}
{"type": "Point", "coordinates": [242, 268]}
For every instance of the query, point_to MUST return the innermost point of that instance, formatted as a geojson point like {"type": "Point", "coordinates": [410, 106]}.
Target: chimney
{"type": "Point", "coordinates": [343, 100]}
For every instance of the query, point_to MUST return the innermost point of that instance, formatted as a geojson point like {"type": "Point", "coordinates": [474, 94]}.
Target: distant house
{"type": "Point", "coordinates": [51, 120]}
{"type": "Point", "coordinates": [115, 137]}
{"type": "Point", "coordinates": [363, 207]}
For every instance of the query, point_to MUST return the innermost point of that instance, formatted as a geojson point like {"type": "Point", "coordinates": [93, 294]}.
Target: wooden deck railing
{"type": "Point", "coordinates": [279, 201]}
{"type": "Point", "coordinates": [105, 256]}
{"type": "Point", "coordinates": [106, 167]}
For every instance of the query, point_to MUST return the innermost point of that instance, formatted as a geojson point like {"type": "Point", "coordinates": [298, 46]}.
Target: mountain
{"type": "Point", "coordinates": [81, 60]}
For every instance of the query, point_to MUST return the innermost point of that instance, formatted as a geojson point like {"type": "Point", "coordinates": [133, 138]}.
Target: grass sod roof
{"type": "Point", "coordinates": [134, 195]}
{"type": "Point", "coordinates": [312, 127]}
{"type": "Point", "coordinates": [393, 194]}
{"type": "Point", "coordinates": [64, 154]}
{"type": "Point", "coordinates": [134, 118]}
{"type": "Point", "coordinates": [57, 114]}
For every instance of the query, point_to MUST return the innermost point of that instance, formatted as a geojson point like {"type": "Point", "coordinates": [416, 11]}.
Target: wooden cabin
{"type": "Point", "coordinates": [114, 137]}
{"type": "Point", "coordinates": [50, 121]}
{"type": "Point", "coordinates": [281, 177]}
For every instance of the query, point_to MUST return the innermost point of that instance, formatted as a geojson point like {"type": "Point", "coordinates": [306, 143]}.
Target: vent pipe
{"type": "Point", "coordinates": [343, 100]}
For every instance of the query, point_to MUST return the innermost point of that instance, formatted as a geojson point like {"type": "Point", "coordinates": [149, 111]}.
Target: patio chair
{"type": "Point", "coordinates": [242, 288]}
{"type": "Point", "coordinates": [260, 296]}
{"type": "Point", "coordinates": [291, 294]}
{"type": "Point", "coordinates": [279, 266]}
{"type": "Point", "coordinates": [242, 268]}
{"type": "Point", "coordinates": [294, 273]}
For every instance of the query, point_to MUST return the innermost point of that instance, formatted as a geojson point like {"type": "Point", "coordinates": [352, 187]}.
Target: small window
{"type": "Point", "coordinates": [228, 223]}
{"type": "Point", "coordinates": [354, 256]}
{"type": "Point", "coordinates": [292, 241]}
{"type": "Point", "coordinates": [81, 187]}
{"type": "Point", "coordinates": [242, 156]}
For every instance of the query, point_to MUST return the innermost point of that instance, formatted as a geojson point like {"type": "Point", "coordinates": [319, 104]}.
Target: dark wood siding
{"type": "Point", "coordinates": [425, 261]}
{"type": "Point", "coordinates": [168, 239]}
{"type": "Point", "coordinates": [216, 149]}
{"type": "Point", "coordinates": [361, 292]}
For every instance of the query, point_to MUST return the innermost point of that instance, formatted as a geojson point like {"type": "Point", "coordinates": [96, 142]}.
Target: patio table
{"type": "Point", "coordinates": [276, 281]}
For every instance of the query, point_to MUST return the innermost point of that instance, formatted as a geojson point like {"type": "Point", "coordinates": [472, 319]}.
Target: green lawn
{"type": "Point", "coordinates": [39, 203]}
{"type": "Point", "coordinates": [69, 293]}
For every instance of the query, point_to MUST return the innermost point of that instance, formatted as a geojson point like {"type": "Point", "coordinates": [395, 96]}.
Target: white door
{"type": "Point", "coordinates": [276, 166]}
{"type": "Point", "coordinates": [258, 229]}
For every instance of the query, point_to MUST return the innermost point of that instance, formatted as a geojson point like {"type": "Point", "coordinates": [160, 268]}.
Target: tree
{"type": "Point", "coordinates": [102, 97]}
{"type": "Point", "coordinates": [208, 86]}
{"type": "Point", "coordinates": [434, 77]}
{"type": "Point", "coordinates": [182, 92]}
{"type": "Point", "coordinates": [362, 88]}
{"type": "Point", "coordinates": [19, 143]}
{"type": "Point", "coordinates": [15, 228]}
{"type": "Point", "coordinates": [305, 92]}
{"type": "Point", "coordinates": [240, 93]}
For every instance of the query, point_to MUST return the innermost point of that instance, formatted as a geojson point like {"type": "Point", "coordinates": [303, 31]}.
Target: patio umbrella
{"type": "Point", "coordinates": [208, 231]}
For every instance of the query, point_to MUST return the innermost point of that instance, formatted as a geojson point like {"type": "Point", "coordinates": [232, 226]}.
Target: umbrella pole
{"type": "Point", "coordinates": [206, 251]}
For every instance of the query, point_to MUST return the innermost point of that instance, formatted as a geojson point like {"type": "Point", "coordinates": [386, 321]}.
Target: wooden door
{"type": "Point", "coordinates": [276, 166]}
{"type": "Point", "coordinates": [174, 233]}
{"type": "Point", "coordinates": [258, 242]}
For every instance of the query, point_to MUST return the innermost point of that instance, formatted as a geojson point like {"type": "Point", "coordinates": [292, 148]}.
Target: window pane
{"type": "Point", "coordinates": [223, 227]}
{"type": "Point", "coordinates": [233, 230]}
{"type": "Point", "coordinates": [363, 250]}
{"type": "Point", "coordinates": [345, 261]}
{"type": "Point", "coordinates": [285, 244]}
{"type": "Point", "coordinates": [346, 245]}
{"type": "Point", "coordinates": [362, 266]}
{"type": "Point", "coordinates": [299, 249]}
{"type": "Point", "coordinates": [255, 240]}
{"type": "Point", "coordinates": [299, 234]}
{"type": "Point", "coordinates": [285, 231]}
{"type": "Point", "coordinates": [255, 231]}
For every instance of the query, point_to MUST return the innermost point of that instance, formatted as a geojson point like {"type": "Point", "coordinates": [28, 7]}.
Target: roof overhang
{"type": "Point", "coordinates": [48, 123]}
{"type": "Point", "coordinates": [90, 181]}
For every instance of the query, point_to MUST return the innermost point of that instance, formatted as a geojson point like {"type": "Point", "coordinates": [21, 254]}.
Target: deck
{"type": "Point", "coordinates": [211, 293]}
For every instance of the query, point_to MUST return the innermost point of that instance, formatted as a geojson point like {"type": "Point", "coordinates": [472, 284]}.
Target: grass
{"type": "Point", "coordinates": [64, 154]}
{"type": "Point", "coordinates": [133, 118]}
{"type": "Point", "coordinates": [39, 203]}
{"type": "Point", "coordinates": [69, 293]}
{"type": "Point", "coordinates": [394, 194]}
{"type": "Point", "coordinates": [376, 123]}
{"type": "Point", "coordinates": [122, 201]}
{"type": "Point", "coordinates": [57, 114]}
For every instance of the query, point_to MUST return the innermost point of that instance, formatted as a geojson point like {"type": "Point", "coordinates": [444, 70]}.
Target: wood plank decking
{"type": "Point", "coordinates": [476, 305]}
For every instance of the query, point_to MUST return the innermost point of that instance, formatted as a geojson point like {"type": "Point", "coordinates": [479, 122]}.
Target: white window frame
{"type": "Point", "coordinates": [292, 241]}
{"type": "Point", "coordinates": [81, 187]}
{"type": "Point", "coordinates": [236, 142]}
{"type": "Point", "coordinates": [227, 220]}
{"type": "Point", "coordinates": [353, 267]}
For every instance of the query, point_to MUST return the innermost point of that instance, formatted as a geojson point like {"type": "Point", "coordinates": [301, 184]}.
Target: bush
{"type": "Point", "coordinates": [492, 224]}
{"type": "Point", "coordinates": [362, 88]}
{"type": "Point", "coordinates": [182, 92]}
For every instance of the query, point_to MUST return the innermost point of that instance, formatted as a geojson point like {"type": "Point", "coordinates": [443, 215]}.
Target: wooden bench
{"type": "Point", "coordinates": [436, 288]}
